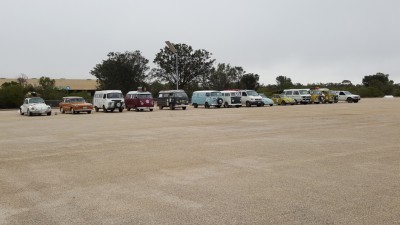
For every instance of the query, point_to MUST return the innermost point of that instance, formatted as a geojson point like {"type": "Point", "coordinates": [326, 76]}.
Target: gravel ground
{"type": "Point", "coordinates": [305, 164]}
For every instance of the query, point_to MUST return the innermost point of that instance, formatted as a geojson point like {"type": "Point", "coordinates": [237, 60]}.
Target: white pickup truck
{"type": "Point", "coordinates": [347, 96]}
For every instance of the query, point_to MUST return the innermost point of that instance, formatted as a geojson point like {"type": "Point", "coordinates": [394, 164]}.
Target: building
{"type": "Point", "coordinates": [88, 85]}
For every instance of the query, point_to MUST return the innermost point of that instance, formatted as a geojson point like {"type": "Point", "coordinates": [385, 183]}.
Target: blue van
{"type": "Point", "coordinates": [207, 98]}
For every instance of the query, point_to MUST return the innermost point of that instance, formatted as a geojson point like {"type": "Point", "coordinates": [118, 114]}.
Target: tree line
{"type": "Point", "coordinates": [192, 69]}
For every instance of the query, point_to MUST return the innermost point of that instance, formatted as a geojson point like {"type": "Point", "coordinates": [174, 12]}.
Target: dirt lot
{"type": "Point", "coordinates": [305, 164]}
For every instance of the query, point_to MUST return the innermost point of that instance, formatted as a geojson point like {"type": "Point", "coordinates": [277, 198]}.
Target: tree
{"type": "Point", "coordinates": [380, 82]}
{"type": "Point", "coordinates": [11, 95]}
{"type": "Point", "coordinates": [122, 71]}
{"type": "Point", "coordinates": [224, 76]}
{"type": "Point", "coordinates": [47, 83]}
{"type": "Point", "coordinates": [22, 80]}
{"type": "Point", "coordinates": [283, 82]}
{"type": "Point", "coordinates": [250, 81]}
{"type": "Point", "coordinates": [194, 66]}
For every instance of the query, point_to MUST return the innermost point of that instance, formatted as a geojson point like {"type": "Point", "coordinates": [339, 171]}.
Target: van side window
{"type": "Point", "coordinates": [104, 96]}
{"type": "Point", "coordinates": [208, 94]}
{"type": "Point", "coordinates": [244, 94]}
{"type": "Point", "coordinates": [288, 93]}
{"type": "Point", "coordinates": [296, 93]}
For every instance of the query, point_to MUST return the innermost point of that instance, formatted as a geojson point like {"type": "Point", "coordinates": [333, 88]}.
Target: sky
{"type": "Point", "coordinates": [306, 40]}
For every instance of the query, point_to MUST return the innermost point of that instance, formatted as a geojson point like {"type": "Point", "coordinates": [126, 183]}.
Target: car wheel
{"type": "Point", "coordinates": [96, 109]}
{"type": "Point", "coordinates": [218, 106]}
{"type": "Point", "coordinates": [271, 104]}
{"type": "Point", "coordinates": [206, 105]}
{"type": "Point", "coordinates": [160, 107]}
{"type": "Point", "coordinates": [321, 99]}
{"type": "Point", "coordinates": [49, 113]}
{"type": "Point", "coordinates": [171, 107]}
{"type": "Point", "coordinates": [355, 101]}
{"type": "Point", "coordinates": [183, 108]}
{"type": "Point", "coordinates": [28, 113]}
{"type": "Point", "coordinates": [20, 112]}
{"type": "Point", "coordinates": [62, 110]}
{"type": "Point", "coordinates": [121, 109]}
{"type": "Point", "coordinates": [195, 105]}
{"type": "Point", "coordinates": [248, 104]}
{"type": "Point", "coordinates": [89, 112]}
{"type": "Point", "coordinates": [104, 109]}
{"type": "Point", "coordinates": [151, 110]}
{"type": "Point", "coordinates": [349, 100]}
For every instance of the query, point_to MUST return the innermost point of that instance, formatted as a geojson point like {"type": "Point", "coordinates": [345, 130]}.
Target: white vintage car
{"type": "Point", "coordinates": [34, 106]}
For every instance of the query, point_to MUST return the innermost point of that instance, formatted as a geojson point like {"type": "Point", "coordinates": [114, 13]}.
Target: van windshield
{"type": "Point", "coordinates": [114, 95]}
{"type": "Point", "coordinates": [144, 96]}
{"type": "Point", "coordinates": [303, 92]}
{"type": "Point", "coordinates": [181, 94]}
{"type": "Point", "coordinates": [252, 93]}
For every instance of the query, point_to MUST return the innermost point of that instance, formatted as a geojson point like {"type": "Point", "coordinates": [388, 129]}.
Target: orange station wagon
{"type": "Point", "coordinates": [75, 105]}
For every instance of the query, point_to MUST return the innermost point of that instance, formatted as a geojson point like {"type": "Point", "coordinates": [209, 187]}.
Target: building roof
{"type": "Point", "coordinates": [73, 84]}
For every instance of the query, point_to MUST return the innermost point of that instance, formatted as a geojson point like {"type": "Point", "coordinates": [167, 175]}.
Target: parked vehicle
{"type": "Point", "coordinates": [301, 96]}
{"type": "Point", "coordinates": [207, 98]}
{"type": "Point", "coordinates": [139, 101]}
{"type": "Point", "coordinates": [172, 99]}
{"type": "Point", "coordinates": [108, 100]}
{"type": "Point", "coordinates": [317, 96]}
{"type": "Point", "coordinates": [330, 96]}
{"type": "Point", "coordinates": [34, 106]}
{"type": "Point", "coordinates": [347, 96]}
{"type": "Point", "coordinates": [281, 99]}
{"type": "Point", "coordinates": [75, 105]}
{"type": "Point", "coordinates": [266, 100]}
{"type": "Point", "coordinates": [231, 98]}
{"type": "Point", "coordinates": [251, 97]}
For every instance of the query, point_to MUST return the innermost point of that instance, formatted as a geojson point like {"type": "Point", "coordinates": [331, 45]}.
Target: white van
{"type": "Point", "coordinates": [251, 97]}
{"type": "Point", "coordinates": [108, 100]}
{"type": "Point", "coordinates": [299, 95]}
{"type": "Point", "coordinates": [231, 98]}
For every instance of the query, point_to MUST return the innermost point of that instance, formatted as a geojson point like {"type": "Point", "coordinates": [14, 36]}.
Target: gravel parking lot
{"type": "Point", "coordinates": [304, 164]}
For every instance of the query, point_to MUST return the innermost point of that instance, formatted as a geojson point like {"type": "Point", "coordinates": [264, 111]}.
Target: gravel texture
{"type": "Point", "coordinates": [304, 164]}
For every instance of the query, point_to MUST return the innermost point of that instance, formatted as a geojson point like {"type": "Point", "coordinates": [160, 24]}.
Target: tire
{"type": "Point", "coordinates": [104, 109]}
{"type": "Point", "coordinates": [206, 105]}
{"type": "Point", "coordinates": [248, 104]}
{"type": "Point", "coordinates": [271, 105]}
{"type": "Point", "coordinates": [96, 109]}
{"type": "Point", "coordinates": [20, 112]}
{"type": "Point", "coordinates": [283, 103]}
{"type": "Point", "coordinates": [49, 113]}
{"type": "Point", "coordinates": [72, 111]}
{"type": "Point", "coordinates": [89, 112]}
{"type": "Point", "coordinates": [128, 109]}
{"type": "Point", "coordinates": [28, 113]}
{"type": "Point", "coordinates": [355, 101]}
{"type": "Point", "coordinates": [62, 110]}
{"type": "Point", "coordinates": [171, 107]}
{"type": "Point", "coordinates": [160, 107]}
{"type": "Point", "coordinates": [151, 110]}
{"type": "Point", "coordinates": [296, 102]}
{"type": "Point", "coordinates": [237, 106]}
{"type": "Point", "coordinates": [183, 108]}
{"type": "Point", "coordinates": [349, 100]}
{"type": "Point", "coordinates": [226, 105]}
{"type": "Point", "coordinates": [220, 101]}
{"type": "Point", "coordinates": [195, 105]}
{"type": "Point", "coordinates": [218, 106]}
{"type": "Point", "coordinates": [112, 110]}
{"type": "Point", "coordinates": [321, 99]}
{"type": "Point", "coordinates": [121, 109]}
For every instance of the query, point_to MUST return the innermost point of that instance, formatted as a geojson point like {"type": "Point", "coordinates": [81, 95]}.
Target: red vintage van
{"type": "Point", "coordinates": [139, 100]}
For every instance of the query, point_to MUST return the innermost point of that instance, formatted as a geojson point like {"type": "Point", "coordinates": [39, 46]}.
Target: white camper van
{"type": "Point", "coordinates": [108, 100]}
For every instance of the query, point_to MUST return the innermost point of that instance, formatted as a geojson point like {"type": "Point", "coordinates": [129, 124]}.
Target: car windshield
{"type": "Point", "coordinates": [215, 93]}
{"type": "Point", "coordinates": [77, 100]}
{"type": "Point", "coordinates": [181, 94]}
{"type": "Point", "coordinates": [303, 92]}
{"type": "Point", "coordinates": [114, 95]}
{"type": "Point", "coordinates": [144, 96]}
{"type": "Point", "coordinates": [262, 95]}
{"type": "Point", "coordinates": [36, 100]}
{"type": "Point", "coordinates": [252, 93]}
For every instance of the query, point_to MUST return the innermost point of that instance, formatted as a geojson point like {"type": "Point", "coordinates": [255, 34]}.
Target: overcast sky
{"type": "Point", "coordinates": [306, 40]}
